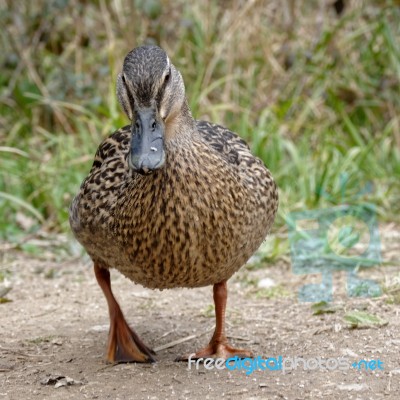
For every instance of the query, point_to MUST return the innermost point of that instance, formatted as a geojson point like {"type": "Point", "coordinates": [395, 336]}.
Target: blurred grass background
{"type": "Point", "coordinates": [312, 85]}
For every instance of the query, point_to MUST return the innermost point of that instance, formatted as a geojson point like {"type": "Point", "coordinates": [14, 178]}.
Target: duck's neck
{"type": "Point", "coordinates": [181, 126]}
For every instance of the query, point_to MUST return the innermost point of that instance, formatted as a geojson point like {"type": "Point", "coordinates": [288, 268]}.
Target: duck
{"type": "Point", "coordinates": [170, 202]}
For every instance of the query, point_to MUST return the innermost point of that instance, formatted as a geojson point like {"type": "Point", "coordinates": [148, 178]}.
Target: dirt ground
{"type": "Point", "coordinates": [53, 334]}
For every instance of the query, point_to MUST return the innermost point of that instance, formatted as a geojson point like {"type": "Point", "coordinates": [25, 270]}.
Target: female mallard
{"type": "Point", "coordinates": [170, 201]}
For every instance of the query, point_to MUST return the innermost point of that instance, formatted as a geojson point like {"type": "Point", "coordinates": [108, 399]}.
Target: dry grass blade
{"type": "Point", "coordinates": [180, 341]}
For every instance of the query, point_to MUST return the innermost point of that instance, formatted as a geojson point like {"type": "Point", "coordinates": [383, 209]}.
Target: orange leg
{"type": "Point", "coordinates": [219, 346]}
{"type": "Point", "coordinates": [124, 345]}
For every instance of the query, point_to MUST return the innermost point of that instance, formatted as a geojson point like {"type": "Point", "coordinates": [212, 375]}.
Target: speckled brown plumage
{"type": "Point", "coordinates": [195, 221]}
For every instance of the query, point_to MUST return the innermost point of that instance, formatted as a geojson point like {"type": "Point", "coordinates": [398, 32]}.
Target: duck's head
{"type": "Point", "coordinates": [152, 93]}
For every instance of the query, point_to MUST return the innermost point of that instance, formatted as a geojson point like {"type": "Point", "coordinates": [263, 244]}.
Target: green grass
{"type": "Point", "coordinates": [316, 96]}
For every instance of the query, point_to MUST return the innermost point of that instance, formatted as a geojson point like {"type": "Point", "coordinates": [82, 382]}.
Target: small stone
{"type": "Point", "coordinates": [266, 283]}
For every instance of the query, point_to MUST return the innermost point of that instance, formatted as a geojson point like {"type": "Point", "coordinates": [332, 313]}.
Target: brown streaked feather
{"type": "Point", "coordinates": [194, 223]}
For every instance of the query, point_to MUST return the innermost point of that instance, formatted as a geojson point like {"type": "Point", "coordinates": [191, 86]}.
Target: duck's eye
{"type": "Point", "coordinates": [123, 79]}
{"type": "Point", "coordinates": [166, 79]}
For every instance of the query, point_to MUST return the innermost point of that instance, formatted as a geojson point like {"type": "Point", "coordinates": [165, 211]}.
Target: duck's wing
{"type": "Point", "coordinates": [111, 148]}
{"type": "Point", "coordinates": [107, 172]}
{"type": "Point", "coordinates": [227, 143]}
